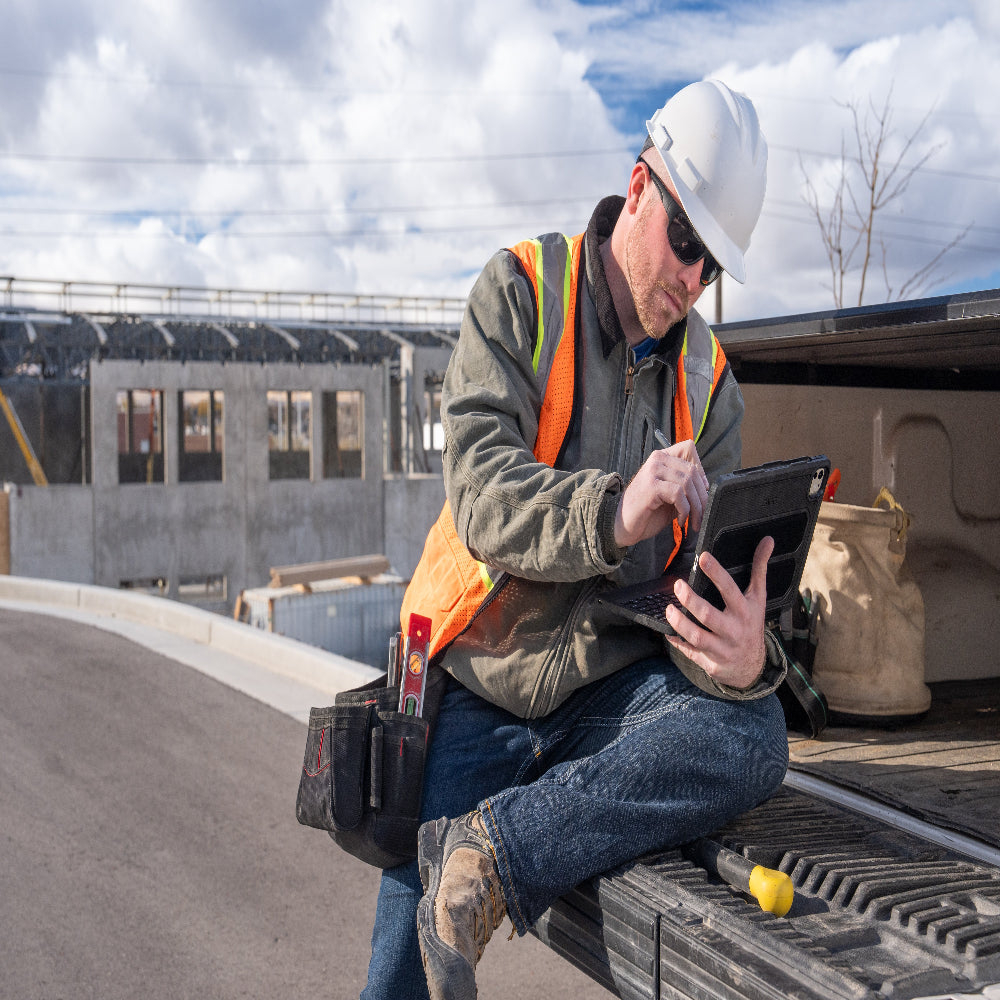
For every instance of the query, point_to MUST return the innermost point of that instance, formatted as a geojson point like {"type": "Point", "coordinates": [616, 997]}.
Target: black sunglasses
{"type": "Point", "coordinates": [684, 241]}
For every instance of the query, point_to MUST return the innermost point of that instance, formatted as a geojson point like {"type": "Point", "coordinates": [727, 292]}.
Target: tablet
{"type": "Point", "coordinates": [780, 499]}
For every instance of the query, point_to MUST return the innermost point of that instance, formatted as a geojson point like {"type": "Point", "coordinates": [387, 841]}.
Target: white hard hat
{"type": "Point", "coordinates": [716, 157]}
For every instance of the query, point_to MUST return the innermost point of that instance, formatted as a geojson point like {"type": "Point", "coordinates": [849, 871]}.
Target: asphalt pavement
{"type": "Point", "coordinates": [149, 847]}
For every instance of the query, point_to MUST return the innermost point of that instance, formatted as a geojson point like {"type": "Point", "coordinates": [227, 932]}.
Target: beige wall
{"type": "Point", "coordinates": [939, 454]}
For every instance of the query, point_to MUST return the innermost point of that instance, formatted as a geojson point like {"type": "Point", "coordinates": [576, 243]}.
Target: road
{"type": "Point", "coordinates": [148, 842]}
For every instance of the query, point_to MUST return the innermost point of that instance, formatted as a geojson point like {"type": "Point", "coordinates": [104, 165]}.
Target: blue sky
{"type": "Point", "coordinates": [391, 149]}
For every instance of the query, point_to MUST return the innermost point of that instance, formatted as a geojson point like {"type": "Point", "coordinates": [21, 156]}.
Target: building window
{"type": "Point", "coordinates": [343, 434]}
{"type": "Point", "coordinates": [288, 433]}
{"type": "Point", "coordinates": [140, 435]}
{"type": "Point", "coordinates": [208, 588]}
{"type": "Point", "coordinates": [201, 444]}
{"type": "Point", "coordinates": [433, 431]}
{"type": "Point", "coordinates": [155, 586]}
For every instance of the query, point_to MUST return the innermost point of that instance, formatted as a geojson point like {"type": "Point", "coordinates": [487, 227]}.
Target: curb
{"type": "Point", "coordinates": [276, 653]}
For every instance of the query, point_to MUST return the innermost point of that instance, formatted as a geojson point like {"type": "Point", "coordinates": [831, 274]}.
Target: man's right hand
{"type": "Point", "coordinates": [670, 485]}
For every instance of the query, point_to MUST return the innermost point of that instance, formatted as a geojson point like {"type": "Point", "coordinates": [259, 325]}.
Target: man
{"type": "Point", "coordinates": [568, 741]}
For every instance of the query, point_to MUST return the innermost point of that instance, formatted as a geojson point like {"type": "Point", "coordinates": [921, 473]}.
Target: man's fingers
{"type": "Point", "coordinates": [671, 484]}
{"type": "Point", "coordinates": [727, 586]}
{"type": "Point", "coordinates": [758, 575]}
{"type": "Point", "coordinates": [699, 484]}
{"type": "Point", "coordinates": [687, 451]}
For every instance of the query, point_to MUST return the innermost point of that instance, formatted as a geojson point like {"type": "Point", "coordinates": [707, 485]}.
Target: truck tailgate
{"type": "Point", "coordinates": [878, 913]}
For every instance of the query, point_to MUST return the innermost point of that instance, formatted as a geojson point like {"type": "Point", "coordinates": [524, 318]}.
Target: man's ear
{"type": "Point", "coordinates": [637, 183]}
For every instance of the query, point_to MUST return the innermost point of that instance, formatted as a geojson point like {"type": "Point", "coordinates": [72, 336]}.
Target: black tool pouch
{"type": "Point", "coordinates": [804, 704]}
{"type": "Point", "coordinates": [363, 774]}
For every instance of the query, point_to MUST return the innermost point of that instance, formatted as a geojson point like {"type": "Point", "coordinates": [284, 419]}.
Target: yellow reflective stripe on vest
{"type": "Point", "coordinates": [541, 260]}
{"type": "Point", "coordinates": [539, 294]}
{"type": "Point", "coordinates": [704, 415]}
{"type": "Point", "coordinates": [699, 374]}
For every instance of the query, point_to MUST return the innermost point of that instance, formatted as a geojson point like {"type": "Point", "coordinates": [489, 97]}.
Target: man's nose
{"type": "Point", "coordinates": [690, 275]}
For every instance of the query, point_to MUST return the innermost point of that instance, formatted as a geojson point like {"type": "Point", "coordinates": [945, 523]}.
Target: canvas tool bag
{"type": "Point", "coordinates": [870, 650]}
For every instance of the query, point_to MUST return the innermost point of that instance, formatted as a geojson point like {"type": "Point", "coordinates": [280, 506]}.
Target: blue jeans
{"type": "Point", "coordinates": [639, 761]}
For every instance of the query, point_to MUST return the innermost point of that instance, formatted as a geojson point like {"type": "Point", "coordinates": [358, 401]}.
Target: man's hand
{"type": "Point", "coordinates": [730, 648]}
{"type": "Point", "coordinates": [671, 484]}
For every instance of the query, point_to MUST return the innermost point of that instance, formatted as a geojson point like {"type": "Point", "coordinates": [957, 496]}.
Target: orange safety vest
{"type": "Point", "coordinates": [449, 585]}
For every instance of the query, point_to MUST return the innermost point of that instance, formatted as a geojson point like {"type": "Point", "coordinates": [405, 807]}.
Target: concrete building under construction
{"type": "Point", "coordinates": [185, 441]}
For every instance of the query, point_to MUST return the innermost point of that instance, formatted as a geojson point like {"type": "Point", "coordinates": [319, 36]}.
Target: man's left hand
{"type": "Point", "coordinates": [728, 645]}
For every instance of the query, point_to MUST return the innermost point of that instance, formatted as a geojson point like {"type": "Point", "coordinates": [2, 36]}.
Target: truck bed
{"type": "Point", "coordinates": [944, 768]}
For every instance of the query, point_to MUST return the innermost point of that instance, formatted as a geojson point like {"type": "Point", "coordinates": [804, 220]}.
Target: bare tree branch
{"type": "Point", "coordinates": [847, 227]}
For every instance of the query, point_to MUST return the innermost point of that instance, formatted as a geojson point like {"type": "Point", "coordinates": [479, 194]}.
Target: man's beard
{"type": "Point", "coordinates": [645, 285]}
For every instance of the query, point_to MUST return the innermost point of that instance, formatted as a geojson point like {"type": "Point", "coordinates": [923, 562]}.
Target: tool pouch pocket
{"type": "Point", "coordinates": [362, 774]}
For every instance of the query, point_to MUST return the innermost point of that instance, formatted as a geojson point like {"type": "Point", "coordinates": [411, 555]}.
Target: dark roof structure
{"type": "Point", "coordinates": [952, 341]}
{"type": "Point", "coordinates": [945, 342]}
{"type": "Point", "coordinates": [146, 323]}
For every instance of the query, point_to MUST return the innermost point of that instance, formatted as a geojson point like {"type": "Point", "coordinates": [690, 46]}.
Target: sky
{"type": "Point", "coordinates": [391, 147]}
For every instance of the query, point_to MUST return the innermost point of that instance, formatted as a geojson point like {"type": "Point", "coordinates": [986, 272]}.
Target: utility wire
{"type": "Point", "coordinates": [354, 90]}
{"type": "Point", "coordinates": [621, 89]}
{"type": "Point", "coordinates": [295, 161]}
{"type": "Point", "coordinates": [965, 175]}
{"type": "Point", "coordinates": [429, 231]}
{"type": "Point", "coordinates": [252, 212]}
{"type": "Point", "coordinates": [905, 237]}
{"type": "Point", "coordinates": [357, 161]}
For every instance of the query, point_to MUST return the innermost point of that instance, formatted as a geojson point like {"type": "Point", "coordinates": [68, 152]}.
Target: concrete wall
{"type": "Point", "coordinates": [412, 504]}
{"type": "Point", "coordinates": [247, 523]}
{"type": "Point", "coordinates": [51, 533]}
{"type": "Point", "coordinates": [4, 532]}
{"type": "Point", "coordinates": [240, 527]}
{"type": "Point", "coordinates": [938, 453]}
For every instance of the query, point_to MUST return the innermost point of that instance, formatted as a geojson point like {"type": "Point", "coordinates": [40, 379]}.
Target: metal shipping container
{"type": "Point", "coordinates": [352, 619]}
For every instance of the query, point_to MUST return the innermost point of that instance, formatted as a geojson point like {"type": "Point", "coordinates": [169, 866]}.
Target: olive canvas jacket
{"type": "Point", "coordinates": [547, 534]}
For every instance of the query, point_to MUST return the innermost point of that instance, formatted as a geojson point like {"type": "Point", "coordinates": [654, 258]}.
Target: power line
{"type": "Point", "coordinates": [906, 238]}
{"type": "Point", "coordinates": [845, 105]}
{"type": "Point", "coordinates": [357, 161]}
{"type": "Point", "coordinates": [368, 233]}
{"type": "Point", "coordinates": [269, 212]}
{"type": "Point", "coordinates": [355, 90]}
{"type": "Point", "coordinates": [197, 215]}
{"type": "Point", "coordinates": [891, 220]}
{"type": "Point", "coordinates": [962, 174]}
{"type": "Point", "coordinates": [296, 161]}
{"type": "Point", "coordinates": [576, 225]}
{"type": "Point", "coordinates": [323, 88]}
{"type": "Point", "coordinates": [201, 214]}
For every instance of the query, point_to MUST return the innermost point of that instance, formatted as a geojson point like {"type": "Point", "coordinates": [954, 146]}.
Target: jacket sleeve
{"type": "Point", "coordinates": [512, 512]}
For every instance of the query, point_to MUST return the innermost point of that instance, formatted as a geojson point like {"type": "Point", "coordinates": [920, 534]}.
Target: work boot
{"type": "Point", "coordinates": [462, 904]}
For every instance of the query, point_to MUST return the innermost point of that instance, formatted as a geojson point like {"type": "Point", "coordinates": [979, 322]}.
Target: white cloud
{"type": "Point", "coordinates": [390, 147]}
{"type": "Point", "coordinates": [930, 74]}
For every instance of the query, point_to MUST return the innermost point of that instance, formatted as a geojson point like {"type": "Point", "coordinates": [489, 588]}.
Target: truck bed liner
{"type": "Point", "coordinates": [878, 913]}
{"type": "Point", "coordinates": [944, 768]}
